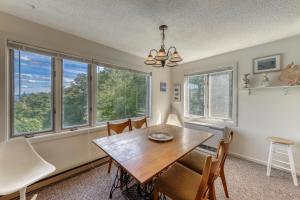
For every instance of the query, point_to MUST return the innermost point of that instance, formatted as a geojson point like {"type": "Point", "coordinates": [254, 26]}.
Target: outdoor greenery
{"type": "Point", "coordinates": [196, 95]}
{"type": "Point", "coordinates": [120, 94]}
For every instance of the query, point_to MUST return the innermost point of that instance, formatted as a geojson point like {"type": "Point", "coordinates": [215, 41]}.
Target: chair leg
{"type": "Point", "coordinates": [269, 166]}
{"type": "Point", "coordinates": [292, 165]}
{"type": "Point", "coordinates": [155, 193]}
{"type": "Point", "coordinates": [212, 192]}
{"type": "Point", "coordinates": [222, 175]}
{"type": "Point", "coordinates": [109, 165]}
{"type": "Point", "coordinates": [23, 194]}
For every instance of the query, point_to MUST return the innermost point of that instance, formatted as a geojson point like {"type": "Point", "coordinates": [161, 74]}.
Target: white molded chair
{"type": "Point", "coordinates": [20, 166]}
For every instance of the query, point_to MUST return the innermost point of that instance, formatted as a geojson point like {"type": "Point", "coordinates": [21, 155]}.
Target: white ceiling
{"type": "Point", "coordinates": [198, 28]}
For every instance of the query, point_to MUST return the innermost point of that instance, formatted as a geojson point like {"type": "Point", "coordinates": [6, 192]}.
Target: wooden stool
{"type": "Point", "coordinates": [276, 141]}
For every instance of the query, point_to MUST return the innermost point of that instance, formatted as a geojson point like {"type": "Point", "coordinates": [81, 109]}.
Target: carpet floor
{"type": "Point", "coordinates": [246, 181]}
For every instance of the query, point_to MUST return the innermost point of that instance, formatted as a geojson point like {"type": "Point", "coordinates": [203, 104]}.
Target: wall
{"type": "Point", "coordinates": [265, 112]}
{"type": "Point", "coordinates": [68, 151]}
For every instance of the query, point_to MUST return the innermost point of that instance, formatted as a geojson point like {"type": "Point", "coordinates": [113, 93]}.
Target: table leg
{"type": "Point", "coordinates": [122, 179]}
{"type": "Point", "coordinates": [146, 190]}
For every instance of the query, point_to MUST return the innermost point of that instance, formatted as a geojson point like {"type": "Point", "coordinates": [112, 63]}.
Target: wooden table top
{"type": "Point", "coordinates": [143, 158]}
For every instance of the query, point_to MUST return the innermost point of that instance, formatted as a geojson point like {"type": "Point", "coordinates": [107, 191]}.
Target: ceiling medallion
{"type": "Point", "coordinates": [162, 57]}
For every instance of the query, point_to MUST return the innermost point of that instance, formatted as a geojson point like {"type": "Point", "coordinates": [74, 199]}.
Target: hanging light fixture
{"type": "Point", "coordinates": [162, 57]}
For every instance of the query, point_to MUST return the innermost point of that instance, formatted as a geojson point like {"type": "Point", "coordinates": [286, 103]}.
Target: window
{"type": "Point", "coordinates": [196, 98]}
{"type": "Point", "coordinates": [75, 93]}
{"type": "Point", "coordinates": [32, 93]}
{"type": "Point", "coordinates": [121, 94]}
{"type": "Point", "coordinates": [220, 95]}
{"type": "Point", "coordinates": [210, 95]}
{"type": "Point", "coordinates": [52, 92]}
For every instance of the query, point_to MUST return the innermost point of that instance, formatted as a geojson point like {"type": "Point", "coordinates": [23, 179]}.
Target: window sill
{"type": "Point", "coordinates": [65, 134]}
{"type": "Point", "coordinates": [215, 124]}
{"type": "Point", "coordinates": [68, 133]}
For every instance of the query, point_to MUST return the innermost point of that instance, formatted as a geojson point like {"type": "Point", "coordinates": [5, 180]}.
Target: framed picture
{"type": "Point", "coordinates": [176, 93]}
{"type": "Point", "coordinates": [267, 64]}
{"type": "Point", "coordinates": [163, 86]}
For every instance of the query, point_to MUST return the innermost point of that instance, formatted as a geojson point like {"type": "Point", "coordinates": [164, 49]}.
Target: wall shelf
{"type": "Point", "coordinates": [284, 88]}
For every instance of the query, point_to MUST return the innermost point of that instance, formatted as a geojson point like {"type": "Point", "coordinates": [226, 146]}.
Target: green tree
{"type": "Point", "coordinates": [33, 112]}
{"type": "Point", "coordinates": [75, 110]}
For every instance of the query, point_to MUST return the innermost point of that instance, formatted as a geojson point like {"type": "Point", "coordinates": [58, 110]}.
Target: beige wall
{"type": "Point", "coordinates": [73, 150]}
{"type": "Point", "coordinates": [264, 113]}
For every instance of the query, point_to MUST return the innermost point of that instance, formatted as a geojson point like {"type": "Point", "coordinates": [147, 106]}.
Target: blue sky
{"type": "Point", "coordinates": [34, 72]}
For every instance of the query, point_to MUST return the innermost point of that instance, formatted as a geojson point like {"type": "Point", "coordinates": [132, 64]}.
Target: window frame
{"type": "Point", "coordinates": [187, 107]}
{"type": "Point", "coordinates": [207, 117]}
{"type": "Point", "coordinates": [57, 90]}
{"type": "Point", "coordinates": [61, 103]}
{"type": "Point", "coordinates": [11, 70]}
{"type": "Point", "coordinates": [148, 99]}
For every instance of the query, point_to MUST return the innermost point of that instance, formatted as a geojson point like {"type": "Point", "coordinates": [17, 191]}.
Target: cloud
{"type": "Point", "coordinates": [25, 58]}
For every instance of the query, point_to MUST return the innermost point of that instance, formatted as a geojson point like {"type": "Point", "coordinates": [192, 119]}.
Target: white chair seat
{"type": "Point", "coordinates": [20, 166]}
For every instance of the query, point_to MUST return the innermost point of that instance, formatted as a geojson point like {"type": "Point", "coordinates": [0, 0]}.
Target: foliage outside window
{"type": "Point", "coordinates": [119, 94]}
{"type": "Point", "coordinates": [210, 95]}
{"type": "Point", "coordinates": [32, 92]}
{"type": "Point", "coordinates": [75, 93]}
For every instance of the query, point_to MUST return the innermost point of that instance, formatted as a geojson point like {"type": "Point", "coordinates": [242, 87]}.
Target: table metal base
{"type": "Point", "coordinates": [133, 191]}
{"type": "Point", "coordinates": [122, 179]}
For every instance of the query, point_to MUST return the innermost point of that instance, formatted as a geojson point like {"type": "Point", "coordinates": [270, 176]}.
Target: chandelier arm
{"type": "Point", "coordinates": [153, 50]}
{"type": "Point", "coordinates": [171, 47]}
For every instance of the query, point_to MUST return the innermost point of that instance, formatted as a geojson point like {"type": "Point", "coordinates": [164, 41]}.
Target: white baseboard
{"type": "Point", "coordinates": [262, 162]}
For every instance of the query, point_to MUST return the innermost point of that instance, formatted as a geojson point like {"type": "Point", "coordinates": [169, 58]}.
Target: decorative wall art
{"type": "Point", "coordinates": [177, 93]}
{"type": "Point", "coordinates": [163, 86]}
{"type": "Point", "coordinates": [267, 64]}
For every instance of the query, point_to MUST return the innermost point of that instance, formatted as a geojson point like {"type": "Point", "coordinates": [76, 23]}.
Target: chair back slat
{"type": "Point", "coordinates": [118, 128]}
{"type": "Point", "coordinates": [139, 123]}
{"type": "Point", "coordinates": [203, 187]}
{"type": "Point", "coordinates": [228, 132]}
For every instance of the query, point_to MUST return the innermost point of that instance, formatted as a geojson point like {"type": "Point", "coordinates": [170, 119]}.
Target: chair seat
{"type": "Point", "coordinates": [281, 140]}
{"type": "Point", "coordinates": [179, 182]}
{"type": "Point", "coordinates": [20, 166]}
{"type": "Point", "coordinates": [194, 160]}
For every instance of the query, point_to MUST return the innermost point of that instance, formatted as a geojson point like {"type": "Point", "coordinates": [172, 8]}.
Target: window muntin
{"type": "Point", "coordinates": [121, 94]}
{"type": "Point", "coordinates": [215, 99]}
{"type": "Point", "coordinates": [196, 95]}
{"type": "Point", "coordinates": [32, 93]}
{"type": "Point", "coordinates": [220, 95]}
{"type": "Point", "coordinates": [75, 94]}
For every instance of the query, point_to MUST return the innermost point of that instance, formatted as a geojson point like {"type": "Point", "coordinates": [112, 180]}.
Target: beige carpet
{"type": "Point", "coordinates": [246, 181]}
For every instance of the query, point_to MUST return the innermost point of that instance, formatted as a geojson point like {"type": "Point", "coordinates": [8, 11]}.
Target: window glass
{"type": "Point", "coordinates": [75, 93]}
{"type": "Point", "coordinates": [32, 93]}
{"type": "Point", "coordinates": [196, 95]}
{"type": "Point", "coordinates": [220, 95]}
{"type": "Point", "coordinates": [121, 94]}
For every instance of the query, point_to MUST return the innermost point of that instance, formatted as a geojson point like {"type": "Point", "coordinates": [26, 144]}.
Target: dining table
{"type": "Point", "coordinates": [142, 159]}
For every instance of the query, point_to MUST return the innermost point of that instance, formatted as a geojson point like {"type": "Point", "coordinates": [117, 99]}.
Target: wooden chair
{"type": "Point", "coordinates": [181, 182]}
{"type": "Point", "coordinates": [117, 128]}
{"type": "Point", "coordinates": [195, 159]}
{"type": "Point", "coordinates": [139, 123]}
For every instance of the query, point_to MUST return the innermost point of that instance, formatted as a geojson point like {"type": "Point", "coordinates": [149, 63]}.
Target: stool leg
{"type": "Point", "coordinates": [23, 194]}
{"type": "Point", "coordinates": [269, 165]}
{"type": "Point", "coordinates": [292, 165]}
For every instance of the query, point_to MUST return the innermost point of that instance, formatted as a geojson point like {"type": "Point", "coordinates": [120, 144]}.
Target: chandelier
{"type": "Point", "coordinates": [162, 57]}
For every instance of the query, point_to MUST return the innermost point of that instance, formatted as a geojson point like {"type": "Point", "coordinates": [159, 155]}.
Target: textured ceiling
{"type": "Point", "coordinates": [198, 28]}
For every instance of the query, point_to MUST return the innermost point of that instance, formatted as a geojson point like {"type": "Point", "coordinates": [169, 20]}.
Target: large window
{"type": "Point", "coordinates": [75, 93]}
{"type": "Point", "coordinates": [121, 94]}
{"type": "Point", "coordinates": [32, 93]}
{"type": "Point", "coordinates": [52, 92]}
{"type": "Point", "coordinates": [210, 95]}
